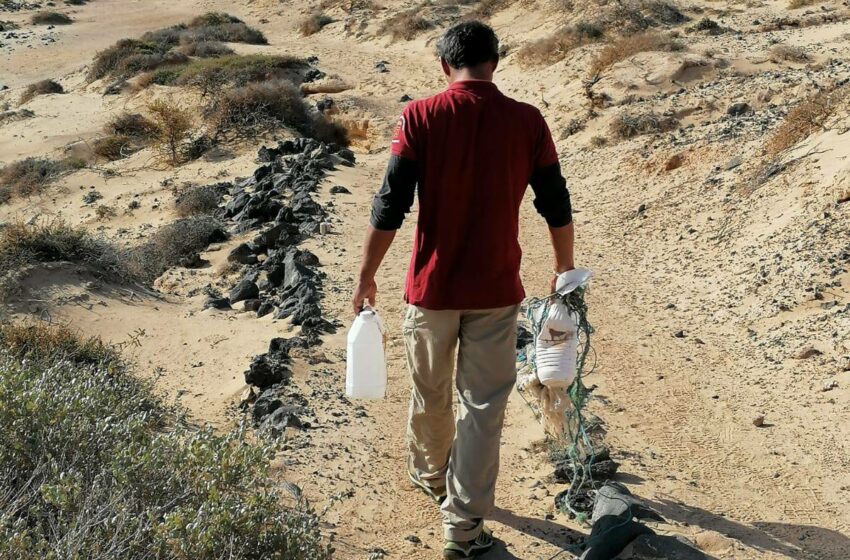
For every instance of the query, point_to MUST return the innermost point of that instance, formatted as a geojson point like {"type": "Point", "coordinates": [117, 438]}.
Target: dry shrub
{"type": "Point", "coordinates": [131, 125]}
{"type": "Point", "coordinates": [41, 88]}
{"type": "Point", "coordinates": [206, 49]}
{"type": "Point", "coordinates": [104, 212]}
{"type": "Point", "coordinates": [264, 106]}
{"type": "Point", "coordinates": [171, 243]}
{"type": "Point", "coordinates": [629, 126]}
{"type": "Point", "coordinates": [51, 241]}
{"type": "Point", "coordinates": [173, 125]}
{"type": "Point", "coordinates": [807, 117]}
{"type": "Point", "coordinates": [197, 201]}
{"type": "Point", "coordinates": [113, 147]}
{"type": "Point", "coordinates": [485, 9]}
{"type": "Point", "coordinates": [29, 176]}
{"type": "Point", "coordinates": [628, 46]}
{"type": "Point", "coordinates": [789, 53]}
{"type": "Point", "coordinates": [405, 25]}
{"type": "Point", "coordinates": [218, 26]}
{"type": "Point", "coordinates": [314, 23]}
{"type": "Point", "coordinates": [554, 48]}
{"type": "Point", "coordinates": [665, 13]}
{"type": "Point", "coordinates": [128, 57]}
{"type": "Point", "coordinates": [794, 4]}
{"type": "Point", "coordinates": [51, 18]}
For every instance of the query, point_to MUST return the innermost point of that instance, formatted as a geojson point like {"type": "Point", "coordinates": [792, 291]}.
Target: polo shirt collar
{"type": "Point", "coordinates": [476, 86]}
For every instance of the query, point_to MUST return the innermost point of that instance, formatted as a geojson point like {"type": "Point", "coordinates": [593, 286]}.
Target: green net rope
{"type": "Point", "coordinates": [576, 444]}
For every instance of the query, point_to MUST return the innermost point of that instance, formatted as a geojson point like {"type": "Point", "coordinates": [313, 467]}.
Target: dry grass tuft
{"type": "Point", "coordinates": [132, 125]}
{"type": "Point", "coordinates": [51, 18]}
{"type": "Point", "coordinates": [211, 75]}
{"type": "Point", "coordinates": [206, 49]}
{"type": "Point", "coordinates": [627, 126]}
{"type": "Point", "coordinates": [172, 243]}
{"type": "Point", "coordinates": [43, 87]}
{"type": "Point", "coordinates": [807, 117]}
{"type": "Point", "coordinates": [113, 147]}
{"type": "Point", "coordinates": [789, 53]}
{"type": "Point", "coordinates": [314, 23]}
{"type": "Point", "coordinates": [29, 176]}
{"type": "Point", "coordinates": [628, 46]}
{"type": "Point", "coordinates": [554, 48]}
{"type": "Point", "coordinates": [405, 25]}
{"type": "Point", "coordinates": [794, 4]}
{"type": "Point", "coordinates": [39, 340]}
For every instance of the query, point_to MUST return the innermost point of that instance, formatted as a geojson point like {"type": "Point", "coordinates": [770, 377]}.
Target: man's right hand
{"type": "Point", "coordinates": [366, 289]}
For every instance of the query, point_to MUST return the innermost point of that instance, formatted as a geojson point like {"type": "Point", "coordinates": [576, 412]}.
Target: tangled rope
{"type": "Point", "coordinates": [561, 409]}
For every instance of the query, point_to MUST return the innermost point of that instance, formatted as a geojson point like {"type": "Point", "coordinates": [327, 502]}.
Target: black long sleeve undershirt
{"type": "Point", "coordinates": [395, 197]}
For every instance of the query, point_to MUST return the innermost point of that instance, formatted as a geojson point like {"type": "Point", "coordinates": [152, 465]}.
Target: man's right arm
{"type": "Point", "coordinates": [389, 207]}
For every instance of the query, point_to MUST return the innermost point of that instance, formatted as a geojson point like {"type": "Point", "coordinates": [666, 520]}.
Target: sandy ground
{"type": "Point", "coordinates": [746, 273]}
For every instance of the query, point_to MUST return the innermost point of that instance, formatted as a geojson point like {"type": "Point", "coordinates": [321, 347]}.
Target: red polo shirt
{"type": "Point", "coordinates": [476, 150]}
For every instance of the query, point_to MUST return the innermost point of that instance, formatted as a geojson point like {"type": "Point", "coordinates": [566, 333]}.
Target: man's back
{"type": "Point", "coordinates": [476, 150]}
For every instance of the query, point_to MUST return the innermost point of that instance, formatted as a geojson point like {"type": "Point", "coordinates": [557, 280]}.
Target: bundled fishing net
{"type": "Point", "coordinates": [552, 366]}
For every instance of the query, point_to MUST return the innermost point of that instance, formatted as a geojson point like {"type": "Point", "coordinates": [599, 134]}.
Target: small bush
{"type": "Point", "coordinates": [789, 53]}
{"type": "Point", "coordinates": [29, 176]}
{"type": "Point", "coordinates": [104, 212]}
{"type": "Point", "coordinates": [794, 4]}
{"type": "Point", "coordinates": [265, 106]}
{"type": "Point", "coordinates": [485, 9]}
{"type": "Point", "coordinates": [92, 467]}
{"type": "Point", "coordinates": [630, 126]}
{"type": "Point", "coordinates": [40, 341]}
{"type": "Point", "coordinates": [129, 57]}
{"type": "Point", "coordinates": [405, 25]}
{"type": "Point", "coordinates": [665, 13]}
{"type": "Point", "coordinates": [173, 125]}
{"type": "Point", "coordinates": [51, 18]}
{"type": "Point", "coordinates": [131, 125]}
{"type": "Point", "coordinates": [197, 201]}
{"type": "Point", "coordinates": [628, 46]}
{"type": "Point", "coordinates": [172, 243]}
{"type": "Point", "coordinates": [212, 75]}
{"type": "Point", "coordinates": [807, 117]}
{"type": "Point", "coordinates": [206, 49]}
{"type": "Point", "coordinates": [314, 23]}
{"type": "Point", "coordinates": [22, 244]}
{"type": "Point", "coordinates": [113, 147]}
{"type": "Point", "coordinates": [43, 87]}
{"type": "Point", "coordinates": [555, 47]}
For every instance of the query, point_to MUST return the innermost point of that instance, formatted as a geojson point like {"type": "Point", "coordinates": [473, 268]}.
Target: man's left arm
{"type": "Point", "coordinates": [552, 201]}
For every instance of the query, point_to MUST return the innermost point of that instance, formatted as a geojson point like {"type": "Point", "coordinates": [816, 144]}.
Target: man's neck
{"type": "Point", "coordinates": [465, 75]}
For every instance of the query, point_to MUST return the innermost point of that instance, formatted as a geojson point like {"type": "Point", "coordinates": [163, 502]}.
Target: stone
{"type": "Point", "coordinates": [405, 98]}
{"type": "Point", "coordinates": [265, 308]}
{"type": "Point", "coordinates": [217, 303]}
{"type": "Point", "coordinates": [738, 109]}
{"type": "Point", "coordinates": [264, 372]}
{"type": "Point", "coordinates": [339, 189]}
{"type": "Point", "coordinates": [830, 385]}
{"type": "Point", "coordinates": [245, 289]}
{"type": "Point", "coordinates": [807, 352]}
{"type": "Point", "coordinates": [252, 304]}
{"type": "Point", "coordinates": [283, 417]}
{"type": "Point", "coordinates": [242, 254]}
{"type": "Point", "coordinates": [758, 421]}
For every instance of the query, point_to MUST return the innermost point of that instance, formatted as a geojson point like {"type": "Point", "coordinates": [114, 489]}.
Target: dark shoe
{"type": "Point", "coordinates": [455, 550]}
{"type": "Point", "coordinates": [436, 494]}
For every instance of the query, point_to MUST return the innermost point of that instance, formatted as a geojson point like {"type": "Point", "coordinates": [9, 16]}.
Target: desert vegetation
{"type": "Point", "coordinates": [51, 18]}
{"type": "Point", "coordinates": [807, 117]}
{"type": "Point", "coordinates": [314, 23]}
{"type": "Point", "coordinates": [230, 70]}
{"type": "Point", "coordinates": [173, 45]}
{"type": "Point", "coordinates": [30, 176]}
{"type": "Point", "coordinates": [173, 125]}
{"type": "Point", "coordinates": [555, 47]}
{"type": "Point", "coordinates": [405, 25]}
{"type": "Point", "coordinates": [197, 200]}
{"type": "Point", "coordinates": [94, 462]}
{"type": "Point", "coordinates": [43, 87]}
{"type": "Point", "coordinates": [627, 126]}
{"type": "Point", "coordinates": [630, 45]}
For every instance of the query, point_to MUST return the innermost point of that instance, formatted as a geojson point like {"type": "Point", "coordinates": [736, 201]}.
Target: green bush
{"type": "Point", "coordinates": [92, 467]}
{"type": "Point", "coordinates": [212, 74]}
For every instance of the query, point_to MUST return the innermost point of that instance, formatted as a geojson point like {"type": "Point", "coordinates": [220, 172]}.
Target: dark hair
{"type": "Point", "coordinates": [468, 44]}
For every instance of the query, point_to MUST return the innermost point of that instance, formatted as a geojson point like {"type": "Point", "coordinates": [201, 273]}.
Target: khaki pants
{"type": "Point", "coordinates": [460, 453]}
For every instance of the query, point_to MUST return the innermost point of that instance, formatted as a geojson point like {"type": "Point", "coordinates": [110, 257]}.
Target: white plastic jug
{"type": "Point", "coordinates": [365, 368]}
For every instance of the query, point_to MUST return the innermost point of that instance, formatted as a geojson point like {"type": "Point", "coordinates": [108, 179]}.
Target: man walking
{"type": "Point", "coordinates": [469, 153]}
